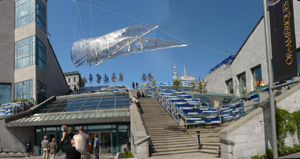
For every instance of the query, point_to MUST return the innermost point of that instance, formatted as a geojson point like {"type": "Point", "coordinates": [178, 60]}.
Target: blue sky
{"type": "Point", "coordinates": [218, 28]}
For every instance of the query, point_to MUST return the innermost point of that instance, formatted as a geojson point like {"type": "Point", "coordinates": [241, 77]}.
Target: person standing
{"type": "Point", "coordinates": [28, 147]}
{"type": "Point", "coordinates": [77, 145]}
{"type": "Point", "coordinates": [138, 104]}
{"type": "Point", "coordinates": [87, 144]}
{"type": "Point", "coordinates": [96, 146]}
{"type": "Point", "coordinates": [45, 145]}
{"type": "Point", "coordinates": [53, 148]}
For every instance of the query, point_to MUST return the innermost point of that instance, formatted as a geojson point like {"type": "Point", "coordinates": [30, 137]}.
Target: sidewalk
{"type": "Point", "coordinates": [294, 155]}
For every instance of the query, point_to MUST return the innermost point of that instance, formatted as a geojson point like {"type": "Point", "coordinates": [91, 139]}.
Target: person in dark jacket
{"type": "Point", "coordinates": [74, 151]}
{"type": "Point", "coordinates": [28, 147]}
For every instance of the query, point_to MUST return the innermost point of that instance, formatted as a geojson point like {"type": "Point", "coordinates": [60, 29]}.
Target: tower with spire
{"type": "Point", "coordinates": [175, 75]}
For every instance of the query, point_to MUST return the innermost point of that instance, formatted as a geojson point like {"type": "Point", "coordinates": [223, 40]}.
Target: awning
{"type": "Point", "coordinates": [69, 118]}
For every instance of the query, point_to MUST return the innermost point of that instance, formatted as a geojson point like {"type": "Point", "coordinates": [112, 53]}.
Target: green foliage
{"type": "Point", "coordinates": [201, 85]}
{"type": "Point", "coordinates": [270, 153]}
{"type": "Point", "coordinates": [259, 157]}
{"type": "Point", "coordinates": [153, 82]}
{"type": "Point", "coordinates": [255, 157]}
{"type": "Point", "coordinates": [176, 83]}
{"type": "Point", "coordinates": [285, 123]}
{"type": "Point", "coordinates": [128, 155]}
{"type": "Point", "coordinates": [297, 147]}
{"type": "Point", "coordinates": [20, 100]}
{"type": "Point", "coordinates": [296, 116]}
{"type": "Point", "coordinates": [291, 150]}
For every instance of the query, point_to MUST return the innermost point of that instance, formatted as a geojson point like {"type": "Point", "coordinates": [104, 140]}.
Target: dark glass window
{"type": "Point", "coordinates": [242, 81]}
{"type": "Point", "coordinates": [229, 84]}
{"type": "Point", "coordinates": [256, 74]}
{"type": "Point", "coordinates": [5, 90]}
{"type": "Point", "coordinates": [298, 60]}
{"type": "Point", "coordinates": [41, 91]}
{"type": "Point", "coordinates": [23, 90]}
{"type": "Point", "coordinates": [24, 12]}
{"type": "Point", "coordinates": [41, 55]}
{"type": "Point", "coordinates": [40, 15]}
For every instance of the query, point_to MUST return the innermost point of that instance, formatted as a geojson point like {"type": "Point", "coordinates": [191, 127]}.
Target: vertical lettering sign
{"type": "Point", "coordinates": [283, 39]}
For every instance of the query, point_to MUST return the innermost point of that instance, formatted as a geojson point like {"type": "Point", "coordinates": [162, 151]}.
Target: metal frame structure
{"type": "Point", "coordinates": [122, 42]}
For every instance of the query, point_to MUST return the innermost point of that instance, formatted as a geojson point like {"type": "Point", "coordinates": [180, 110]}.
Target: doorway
{"type": "Point", "coordinates": [105, 138]}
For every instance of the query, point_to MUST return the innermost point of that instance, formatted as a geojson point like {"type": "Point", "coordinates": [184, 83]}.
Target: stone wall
{"type": "Point", "coordinates": [15, 138]}
{"type": "Point", "coordinates": [252, 133]}
{"type": "Point", "coordinates": [7, 50]}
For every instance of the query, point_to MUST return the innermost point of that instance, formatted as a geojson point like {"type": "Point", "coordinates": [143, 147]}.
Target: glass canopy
{"type": "Point", "coordinates": [84, 103]}
{"type": "Point", "coordinates": [122, 42]}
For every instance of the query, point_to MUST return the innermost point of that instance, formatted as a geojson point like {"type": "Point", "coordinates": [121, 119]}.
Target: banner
{"type": "Point", "coordinates": [284, 53]}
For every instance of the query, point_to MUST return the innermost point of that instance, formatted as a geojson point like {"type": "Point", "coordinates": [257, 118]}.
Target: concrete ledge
{"type": "Point", "coordinates": [9, 155]}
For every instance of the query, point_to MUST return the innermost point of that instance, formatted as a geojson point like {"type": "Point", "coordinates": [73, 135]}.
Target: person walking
{"type": "Point", "coordinates": [53, 148]}
{"type": "Point", "coordinates": [138, 104]}
{"type": "Point", "coordinates": [77, 145]}
{"type": "Point", "coordinates": [28, 147]}
{"type": "Point", "coordinates": [96, 146]}
{"type": "Point", "coordinates": [45, 145]}
{"type": "Point", "coordinates": [87, 144]}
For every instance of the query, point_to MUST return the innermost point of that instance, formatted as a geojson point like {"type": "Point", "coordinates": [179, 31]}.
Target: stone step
{"type": "Point", "coordinates": [184, 151]}
{"type": "Point", "coordinates": [166, 149]}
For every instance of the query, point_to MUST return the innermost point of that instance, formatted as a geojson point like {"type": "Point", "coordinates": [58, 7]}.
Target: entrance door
{"type": "Point", "coordinates": [105, 142]}
{"type": "Point", "coordinates": [50, 136]}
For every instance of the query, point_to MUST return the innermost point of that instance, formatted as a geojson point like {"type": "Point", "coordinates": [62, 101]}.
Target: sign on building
{"type": "Point", "coordinates": [283, 39]}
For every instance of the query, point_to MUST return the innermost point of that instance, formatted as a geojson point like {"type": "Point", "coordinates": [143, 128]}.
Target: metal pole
{"type": "Point", "coordinates": [198, 134]}
{"type": "Point", "coordinates": [270, 76]}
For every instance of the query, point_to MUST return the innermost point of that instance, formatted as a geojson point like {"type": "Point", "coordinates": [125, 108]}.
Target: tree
{"type": "Point", "coordinates": [121, 77]}
{"type": "Point", "coordinates": [98, 78]}
{"type": "Point", "coordinates": [84, 81]}
{"type": "Point", "coordinates": [113, 77]}
{"type": "Point", "coordinates": [144, 78]}
{"type": "Point", "coordinates": [91, 78]}
{"type": "Point", "coordinates": [153, 82]}
{"type": "Point", "coordinates": [201, 85]}
{"type": "Point", "coordinates": [150, 77]}
{"type": "Point", "coordinates": [106, 79]}
{"type": "Point", "coordinates": [176, 83]}
{"type": "Point", "coordinates": [133, 84]}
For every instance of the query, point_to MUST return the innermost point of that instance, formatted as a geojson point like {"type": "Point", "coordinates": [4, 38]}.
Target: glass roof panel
{"type": "Point", "coordinates": [56, 118]}
{"type": "Point", "coordinates": [85, 103]}
{"type": "Point", "coordinates": [74, 116]}
{"type": "Point", "coordinates": [92, 115]}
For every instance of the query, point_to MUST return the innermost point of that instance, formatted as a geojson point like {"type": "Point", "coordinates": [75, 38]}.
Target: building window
{"type": "Point", "coordinates": [74, 79]}
{"type": "Point", "coordinates": [30, 51]}
{"type": "Point", "coordinates": [24, 12]}
{"type": "Point", "coordinates": [242, 81]}
{"type": "Point", "coordinates": [40, 15]}
{"type": "Point", "coordinates": [23, 90]}
{"type": "Point", "coordinates": [41, 91]}
{"type": "Point", "coordinates": [69, 80]}
{"type": "Point", "coordinates": [256, 74]}
{"type": "Point", "coordinates": [40, 54]}
{"type": "Point", "coordinates": [229, 84]}
{"type": "Point", "coordinates": [5, 90]}
{"type": "Point", "coordinates": [25, 52]}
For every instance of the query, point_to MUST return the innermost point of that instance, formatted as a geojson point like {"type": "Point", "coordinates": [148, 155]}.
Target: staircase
{"type": "Point", "coordinates": [167, 137]}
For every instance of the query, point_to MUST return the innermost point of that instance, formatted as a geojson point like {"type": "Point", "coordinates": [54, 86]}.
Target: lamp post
{"type": "Point", "coordinates": [198, 134]}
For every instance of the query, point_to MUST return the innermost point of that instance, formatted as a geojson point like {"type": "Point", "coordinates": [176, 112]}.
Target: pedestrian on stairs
{"type": "Point", "coordinates": [133, 100]}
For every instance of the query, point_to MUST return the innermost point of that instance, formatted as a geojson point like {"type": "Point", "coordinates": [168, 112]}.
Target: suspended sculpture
{"type": "Point", "coordinates": [122, 42]}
